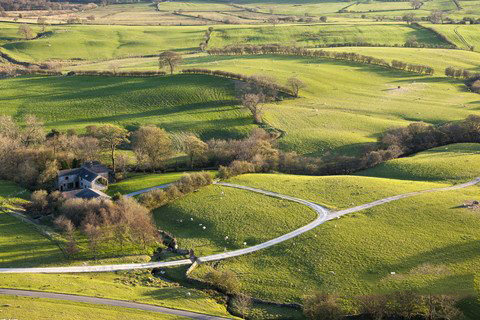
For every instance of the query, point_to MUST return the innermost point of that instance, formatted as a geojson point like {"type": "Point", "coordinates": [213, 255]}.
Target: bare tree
{"type": "Point", "coordinates": [295, 84]}
{"type": "Point", "coordinates": [243, 304]}
{"type": "Point", "coordinates": [416, 4]}
{"type": "Point", "coordinates": [8, 128]}
{"type": "Point", "coordinates": [111, 137]}
{"type": "Point", "coordinates": [170, 59]}
{"type": "Point", "coordinates": [152, 146]}
{"type": "Point", "coordinates": [436, 16]}
{"type": "Point", "coordinates": [69, 230]}
{"type": "Point", "coordinates": [34, 132]}
{"type": "Point", "coordinates": [252, 101]}
{"type": "Point", "coordinates": [195, 148]}
{"type": "Point", "coordinates": [25, 31]}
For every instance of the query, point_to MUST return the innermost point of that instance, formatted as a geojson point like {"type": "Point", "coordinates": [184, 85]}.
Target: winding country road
{"type": "Point", "coordinates": [108, 302]}
{"type": "Point", "coordinates": [323, 215]}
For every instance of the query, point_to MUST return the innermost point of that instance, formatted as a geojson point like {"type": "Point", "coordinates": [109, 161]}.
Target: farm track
{"type": "Point", "coordinates": [462, 39]}
{"type": "Point", "coordinates": [108, 302]}
{"type": "Point", "coordinates": [323, 215]}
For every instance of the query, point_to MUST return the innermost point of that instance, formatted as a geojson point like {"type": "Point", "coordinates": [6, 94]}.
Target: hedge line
{"type": "Point", "coordinates": [348, 56]}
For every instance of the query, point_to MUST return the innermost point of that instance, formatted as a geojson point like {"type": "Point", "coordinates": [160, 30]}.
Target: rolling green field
{"type": "Point", "coordinates": [201, 104]}
{"type": "Point", "coordinates": [230, 217]}
{"type": "Point", "coordinates": [323, 34]}
{"type": "Point", "coordinates": [458, 162]}
{"type": "Point", "coordinates": [72, 42]}
{"type": "Point", "coordinates": [463, 36]}
{"type": "Point", "coordinates": [13, 307]}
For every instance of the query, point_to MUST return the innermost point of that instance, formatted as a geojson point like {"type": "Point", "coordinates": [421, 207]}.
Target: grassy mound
{"type": "Point", "coordinates": [202, 104]}
{"type": "Point", "coordinates": [451, 163]}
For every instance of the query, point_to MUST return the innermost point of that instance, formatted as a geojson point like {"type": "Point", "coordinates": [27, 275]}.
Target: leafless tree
{"type": "Point", "coordinates": [152, 146]}
{"type": "Point", "coordinates": [170, 59]}
{"type": "Point", "coordinates": [295, 85]}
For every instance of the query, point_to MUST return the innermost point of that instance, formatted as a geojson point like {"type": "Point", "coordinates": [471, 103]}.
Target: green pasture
{"type": "Point", "coordinates": [139, 181]}
{"type": "Point", "coordinates": [85, 42]}
{"type": "Point", "coordinates": [463, 36]}
{"type": "Point", "coordinates": [324, 34]}
{"type": "Point", "coordinates": [457, 162]}
{"type": "Point", "coordinates": [103, 42]}
{"type": "Point", "coordinates": [202, 104]}
{"type": "Point", "coordinates": [218, 218]}
{"type": "Point", "coordinates": [439, 59]}
{"type": "Point", "coordinates": [14, 307]}
{"type": "Point", "coordinates": [138, 286]}
{"type": "Point", "coordinates": [429, 245]}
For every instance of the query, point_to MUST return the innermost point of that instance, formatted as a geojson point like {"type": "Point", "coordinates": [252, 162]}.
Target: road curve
{"type": "Point", "coordinates": [323, 215]}
{"type": "Point", "coordinates": [108, 302]}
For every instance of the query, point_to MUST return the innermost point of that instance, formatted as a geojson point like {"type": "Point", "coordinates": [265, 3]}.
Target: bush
{"type": "Point", "coordinates": [320, 306]}
{"type": "Point", "coordinates": [226, 281]}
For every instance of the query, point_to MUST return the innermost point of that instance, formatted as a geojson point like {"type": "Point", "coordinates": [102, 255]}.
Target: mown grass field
{"type": "Point", "coordinates": [458, 162]}
{"type": "Point", "coordinates": [201, 104]}
{"type": "Point", "coordinates": [13, 307]}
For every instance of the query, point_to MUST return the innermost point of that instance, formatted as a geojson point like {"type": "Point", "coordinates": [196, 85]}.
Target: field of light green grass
{"type": "Point", "coordinates": [458, 162]}
{"type": "Point", "coordinates": [99, 42]}
{"type": "Point", "coordinates": [13, 307]}
{"type": "Point", "coordinates": [139, 181]}
{"type": "Point", "coordinates": [202, 104]}
{"type": "Point", "coordinates": [463, 36]}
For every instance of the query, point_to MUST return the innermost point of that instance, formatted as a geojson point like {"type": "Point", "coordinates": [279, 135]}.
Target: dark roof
{"type": "Point", "coordinates": [67, 172]}
{"type": "Point", "coordinates": [86, 174]}
{"type": "Point", "coordinates": [85, 194]}
{"type": "Point", "coordinates": [90, 194]}
{"type": "Point", "coordinates": [96, 167]}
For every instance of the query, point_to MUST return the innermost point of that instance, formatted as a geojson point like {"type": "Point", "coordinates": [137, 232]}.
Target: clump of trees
{"type": "Point", "coordinates": [152, 147]}
{"type": "Point", "coordinates": [104, 223]}
{"type": "Point", "coordinates": [187, 184]}
{"type": "Point", "coordinates": [460, 73]}
{"type": "Point", "coordinates": [291, 50]}
{"type": "Point", "coordinates": [397, 305]}
{"type": "Point", "coordinates": [206, 39]}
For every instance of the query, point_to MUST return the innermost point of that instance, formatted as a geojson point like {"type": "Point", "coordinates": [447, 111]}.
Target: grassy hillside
{"type": "Point", "coordinates": [139, 181]}
{"type": "Point", "coordinates": [450, 163]}
{"type": "Point", "coordinates": [49, 309]}
{"type": "Point", "coordinates": [201, 104]}
{"type": "Point", "coordinates": [324, 34]}
{"type": "Point", "coordinates": [463, 36]}
{"type": "Point", "coordinates": [217, 219]}
{"type": "Point", "coordinates": [99, 42]}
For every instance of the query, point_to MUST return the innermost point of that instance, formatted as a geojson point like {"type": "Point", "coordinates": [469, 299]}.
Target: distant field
{"type": "Point", "coordinates": [201, 104]}
{"type": "Point", "coordinates": [101, 42]}
{"type": "Point", "coordinates": [464, 36]}
{"type": "Point", "coordinates": [449, 163]}
{"type": "Point", "coordinates": [323, 34]}
{"type": "Point", "coordinates": [345, 104]}
{"type": "Point", "coordinates": [75, 42]}
{"type": "Point", "coordinates": [14, 307]}
{"type": "Point", "coordinates": [438, 59]}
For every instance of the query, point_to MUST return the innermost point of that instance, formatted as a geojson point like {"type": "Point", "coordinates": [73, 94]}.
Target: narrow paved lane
{"type": "Point", "coordinates": [136, 193]}
{"type": "Point", "coordinates": [108, 302]}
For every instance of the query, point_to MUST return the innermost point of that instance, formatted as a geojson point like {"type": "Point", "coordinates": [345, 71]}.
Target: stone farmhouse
{"type": "Point", "coordinates": [86, 182]}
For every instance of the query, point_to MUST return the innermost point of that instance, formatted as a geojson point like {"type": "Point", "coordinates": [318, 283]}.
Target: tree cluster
{"type": "Point", "coordinates": [122, 222]}
{"type": "Point", "coordinates": [206, 39]}
{"type": "Point", "coordinates": [460, 73]}
{"type": "Point", "coordinates": [348, 56]}
{"type": "Point", "coordinates": [397, 305]}
{"type": "Point", "coordinates": [188, 183]}
{"type": "Point", "coordinates": [474, 83]}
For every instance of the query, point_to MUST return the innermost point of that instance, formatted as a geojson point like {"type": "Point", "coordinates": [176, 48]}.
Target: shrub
{"type": "Point", "coordinates": [226, 281]}
{"type": "Point", "coordinates": [320, 306]}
